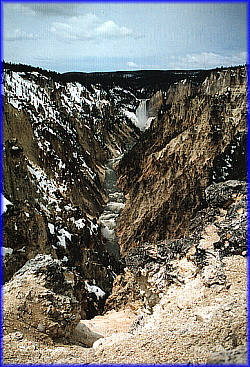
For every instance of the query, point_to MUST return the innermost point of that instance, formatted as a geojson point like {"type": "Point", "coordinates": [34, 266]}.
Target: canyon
{"type": "Point", "coordinates": [124, 210]}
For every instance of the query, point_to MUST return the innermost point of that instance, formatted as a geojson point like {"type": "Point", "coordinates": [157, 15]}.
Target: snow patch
{"type": "Point", "coordinates": [95, 289]}
{"type": "Point", "coordinates": [93, 228]}
{"type": "Point", "coordinates": [5, 204]}
{"type": "Point", "coordinates": [51, 228]}
{"type": "Point", "coordinates": [6, 251]}
{"type": "Point", "coordinates": [63, 234]}
{"type": "Point", "coordinates": [79, 223]}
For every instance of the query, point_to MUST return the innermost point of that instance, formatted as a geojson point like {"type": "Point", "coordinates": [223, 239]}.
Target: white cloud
{"type": "Point", "coordinates": [111, 30]}
{"type": "Point", "coordinates": [132, 64]}
{"type": "Point", "coordinates": [88, 27]}
{"type": "Point", "coordinates": [19, 34]}
{"type": "Point", "coordinates": [207, 60]}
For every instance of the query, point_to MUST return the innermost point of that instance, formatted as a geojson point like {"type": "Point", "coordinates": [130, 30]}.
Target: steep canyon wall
{"type": "Point", "coordinates": [57, 138]}
{"type": "Point", "coordinates": [198, 138]}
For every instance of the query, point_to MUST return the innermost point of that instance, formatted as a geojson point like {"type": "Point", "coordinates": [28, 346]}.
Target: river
{"type": "Point", "coordinates": [112, 209]}
{"type": "Point", "coordinates": [115, 196]}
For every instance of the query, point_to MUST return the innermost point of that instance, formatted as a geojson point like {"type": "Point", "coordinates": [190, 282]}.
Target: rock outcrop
{"type": "Point", "coordinates": [192, 324]}
{"type": "Point", "coordinates": [40, 298]}
{"type": "Point", "coordinates": [44, 296]}
{"type": "Point", "coordinates": [84, 336]}
{"type": "Point", "coordinates": [215, 232]}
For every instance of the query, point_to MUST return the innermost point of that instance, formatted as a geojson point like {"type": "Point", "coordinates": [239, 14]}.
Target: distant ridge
{"type": "Point", "coordinates": [141, 82]}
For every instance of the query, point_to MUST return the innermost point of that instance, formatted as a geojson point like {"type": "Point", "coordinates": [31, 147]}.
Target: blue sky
{"type": "Point", "coordinates": [110, 36]}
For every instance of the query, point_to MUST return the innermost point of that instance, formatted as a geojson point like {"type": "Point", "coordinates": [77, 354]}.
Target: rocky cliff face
{"type": "Point", "coordinates": [57, 137]}
{"type": "Point", "coordinates": [198, 138]}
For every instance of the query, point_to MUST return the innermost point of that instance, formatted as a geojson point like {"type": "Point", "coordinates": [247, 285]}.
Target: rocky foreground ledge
{"type": "Point", "coordinates": [186, 306]}
{"type": "Point", "coordinates": [192, 325]}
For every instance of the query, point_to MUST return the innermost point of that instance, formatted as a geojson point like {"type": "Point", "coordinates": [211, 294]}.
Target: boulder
{"type": "Point", "coordinates": [39, 297]}
{"type": "Point", "coordinates": [83, 335]}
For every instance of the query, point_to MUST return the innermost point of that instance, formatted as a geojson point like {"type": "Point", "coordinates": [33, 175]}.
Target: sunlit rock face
{"type": "Point", "coordinates": [198, 137]}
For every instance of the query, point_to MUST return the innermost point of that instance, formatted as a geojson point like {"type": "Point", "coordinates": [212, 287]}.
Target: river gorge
{"type": "Point", "coordinates": [125, 216]}
{"type": "Point", "coordinates": [112, 209]}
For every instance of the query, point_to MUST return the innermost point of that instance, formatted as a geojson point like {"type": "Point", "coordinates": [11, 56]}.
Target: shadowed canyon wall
{"type": "Point", "coordinates": [57, 138]}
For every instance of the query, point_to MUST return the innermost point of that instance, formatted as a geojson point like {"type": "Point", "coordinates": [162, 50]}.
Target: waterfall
{"type": "Point", "coordinates": [142, 114]}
